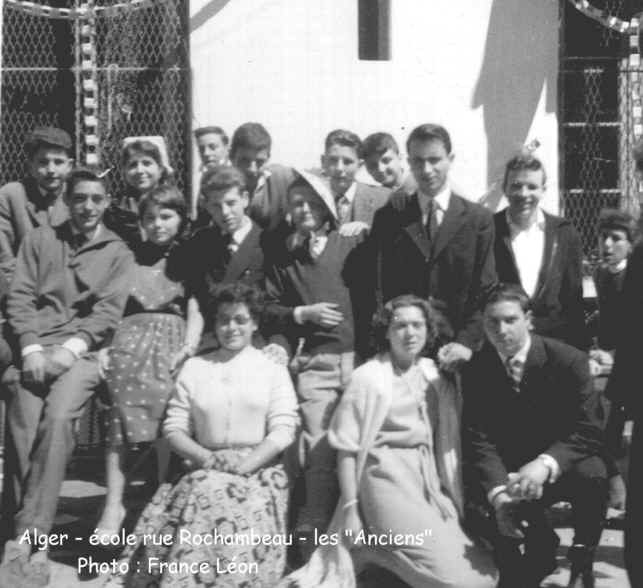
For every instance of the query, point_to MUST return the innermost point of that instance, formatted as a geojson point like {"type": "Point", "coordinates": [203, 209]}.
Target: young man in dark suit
{"type": "Point", "coordinates": [231, 249]}
{"type": "Point", "coordinates": [533, 436]}
{"type": "Point", "coordinates": [542, 252]}
{"type": "Point", "coordinates": [436, 244]}
{"type": "Point", "coordinates": [624, 389]}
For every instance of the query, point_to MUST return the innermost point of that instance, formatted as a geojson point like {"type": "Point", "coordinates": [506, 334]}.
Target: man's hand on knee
{"type": "Point", "coordinates": [59, 360]}
{"type": "Point", "coordinates": [34, 368]}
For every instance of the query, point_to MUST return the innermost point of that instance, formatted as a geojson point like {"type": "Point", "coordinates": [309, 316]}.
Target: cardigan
{"type": "Point", "coordinates": [236, 403]}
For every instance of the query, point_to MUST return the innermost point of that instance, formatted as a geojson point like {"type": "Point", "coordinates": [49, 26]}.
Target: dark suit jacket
{"type": "Point", "coordinates": [18, 215]}
{"type": "Point", "coordinates": [456, 268]}
{"type": "Point", "coordinates": [211, 264]}
{"type": "Point", "coordinates": [557, 305]}
{"type": "Point", "coordinates": [556, 411]}
{"type": "Point", "coordinates": [368, 199]}
{"type": "Point", "coordinates": [269, 204]}
{"type": "Point", "coordinates": [623, 386]}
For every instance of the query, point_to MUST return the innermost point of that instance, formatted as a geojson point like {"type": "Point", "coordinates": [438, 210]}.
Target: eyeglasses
{"type": "Point", "coordinates": [237, 319]}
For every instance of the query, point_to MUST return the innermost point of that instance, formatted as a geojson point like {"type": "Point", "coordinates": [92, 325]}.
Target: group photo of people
{"type": "Point", "coordinates": [388, 364]}
{"type": "Point", "coordinates": [320, 294]}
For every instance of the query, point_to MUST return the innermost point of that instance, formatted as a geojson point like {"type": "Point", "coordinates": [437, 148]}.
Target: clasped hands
{"type": "Point", "coordinates": [526, 484]}
{"type": "Point", "coordinates": [42, 367]}
{"type": "Point", "coordinates": [222, 460]}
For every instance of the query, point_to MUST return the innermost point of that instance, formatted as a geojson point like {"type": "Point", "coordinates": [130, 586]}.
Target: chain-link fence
{"type": "Point", "coordinates": [142, 74]}
{"type": "Point", "coordinates": [596, 121]}
{"type": "Point", "coordinates": [141, 60]}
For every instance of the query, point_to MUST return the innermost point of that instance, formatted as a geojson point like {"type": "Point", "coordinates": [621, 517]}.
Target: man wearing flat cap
{"type": "Point", "coordinates": [36, 200]}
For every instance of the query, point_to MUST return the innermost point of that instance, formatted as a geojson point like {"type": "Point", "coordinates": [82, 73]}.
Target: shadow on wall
{"type": "Point", "coordinates": [203, 15]}
{"type": "Point", "coordinates": [521, 56]}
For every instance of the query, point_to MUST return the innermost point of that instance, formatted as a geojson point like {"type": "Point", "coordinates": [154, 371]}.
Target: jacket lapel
{"type": "Point", "coordinates": [414, 229]}
{"type": "Point", "coordinates": [535, 360]}
{"type": "Point", "coordinates": [549, 255]}
{"type": "Point", "coordinates": [241, 258]}
{"type": "Point", "coordinates": [450, 224]}
{"type": "Point", "coordinates": [504, 234]}
{"type": "Point", "coordinates": [362, 204]}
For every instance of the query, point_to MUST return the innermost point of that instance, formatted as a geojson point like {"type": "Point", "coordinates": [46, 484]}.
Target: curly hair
{"type": "Point", "coordinates": [236, 293]}
{"type": "Point", "coordinates": [382, 320]}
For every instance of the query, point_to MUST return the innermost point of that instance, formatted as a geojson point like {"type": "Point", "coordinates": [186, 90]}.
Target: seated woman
{"type": "Point", "coordinates": [396, 429]}
{"type": "Point", "coordinates": [151, 339]}
{"type": "Point", "coordinates": [231, 415]}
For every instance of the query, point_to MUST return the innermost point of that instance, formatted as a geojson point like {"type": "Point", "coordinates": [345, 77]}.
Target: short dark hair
{"type": "Point", "coordinates": [611, 219]}
{"type": "Point", "coordinates": [506, 292]}
{"type": "Point", "coordinates": [85, 174]}
{"type": "Point", "coordinates": [236, 293]}
{"type": "Point", "coordinates": [222, 177]}
{"type": "Point", "coordinates": [382, 319]}
{"type": "Point", "coordinates": [165, 196]}
{"type": "Point", "coordinates": [523, 161]}
{"type": "Point", "coordinates": [212, 130]}
{"type": "Point", "coordinates": [378, 144]}
{"type": "Point", "coordinates": [430, 132]}
{"type": "Point", "coordinates": [345, 139]}
{"type": "Point", "coordinates": [250, 135]}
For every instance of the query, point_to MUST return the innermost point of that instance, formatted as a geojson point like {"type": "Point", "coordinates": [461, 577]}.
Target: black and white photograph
{"type": "Point", "coordinates": [321, 293]}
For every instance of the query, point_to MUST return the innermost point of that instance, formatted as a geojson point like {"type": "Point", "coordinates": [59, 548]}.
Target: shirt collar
{"type": "Point", "coordinates": [617, 269]}
{"type": "Point", "coordinates": [263, 178]}
{"type": "Point", "coordinates": [521, 354]}
{"type": "Point", "coordinates": [441, 199]}
{"type": "Point", "coordinates": [97, 231]}
{"type": "Point", "coordinates": [538, 225]}
{"type": "Point", "coordinates": [242, 232]}
{"type": "Point", "coordinates": [349, 194]}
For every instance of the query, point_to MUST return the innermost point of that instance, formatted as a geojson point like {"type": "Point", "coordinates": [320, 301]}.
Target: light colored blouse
{"type": "Point", "coordinates": [234, 403]}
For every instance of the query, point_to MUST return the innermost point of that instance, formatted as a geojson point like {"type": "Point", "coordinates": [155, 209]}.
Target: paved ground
{"type": "Point", "coordinates": [81, 502]}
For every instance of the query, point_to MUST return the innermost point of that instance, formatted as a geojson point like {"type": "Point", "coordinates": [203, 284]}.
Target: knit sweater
{"type": "Point", "coordinates": [299, 280]}
{"type": "Point", "coordinates": [59, 291]}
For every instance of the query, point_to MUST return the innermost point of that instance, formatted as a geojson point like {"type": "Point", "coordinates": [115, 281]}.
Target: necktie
{"type": "Point", "coordinates": [343, 210]}
{"type": "Point", "coordinates": [514, 370]}
{"type": "Point", "coordinates": [431, 221]}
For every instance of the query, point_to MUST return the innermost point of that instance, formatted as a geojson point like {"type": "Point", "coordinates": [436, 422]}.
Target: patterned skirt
{"type": "Point", "coordinates": [211, 529]}
{"type": "Point", "coordinates": [139, 380]}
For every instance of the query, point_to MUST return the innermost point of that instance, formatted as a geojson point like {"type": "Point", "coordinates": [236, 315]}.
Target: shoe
{"type": "Point", "coordinates": [39, 572]}
{"type": "Point", "coordinates": [15, 564]}
{"type": "Point", "coordinates": [582, 560]}
{"type": "Point", "coordinates": [110, 537]}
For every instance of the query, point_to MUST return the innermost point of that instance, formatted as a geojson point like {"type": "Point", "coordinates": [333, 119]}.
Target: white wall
{"type": "Point", "coordinates": [486, 69]}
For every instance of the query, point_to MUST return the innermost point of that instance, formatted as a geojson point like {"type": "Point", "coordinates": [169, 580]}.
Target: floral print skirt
{"type": "Point", "coordinates": [211, 529]}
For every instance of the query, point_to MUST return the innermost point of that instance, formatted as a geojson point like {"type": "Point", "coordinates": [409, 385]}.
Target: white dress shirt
{"type": "Point", "coordinates": [528, 247]}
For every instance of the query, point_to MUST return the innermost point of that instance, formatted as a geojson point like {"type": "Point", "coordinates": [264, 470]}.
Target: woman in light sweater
{"type": "Point", "coordinates": [232, 413]}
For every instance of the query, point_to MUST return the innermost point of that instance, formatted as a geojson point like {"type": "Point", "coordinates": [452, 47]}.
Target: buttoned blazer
{"type": "Point", "coordinates": [455, 269]}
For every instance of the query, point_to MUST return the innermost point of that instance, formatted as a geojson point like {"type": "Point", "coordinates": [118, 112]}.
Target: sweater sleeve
{"type": "Point", "coordinates": [282, 409]}
{"type": "Point", "coordinates": [346, 427]}
{"type": "Point", "coordinates": [178, 415]}
{"type": "Point", "coordinates": [21, 303]}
